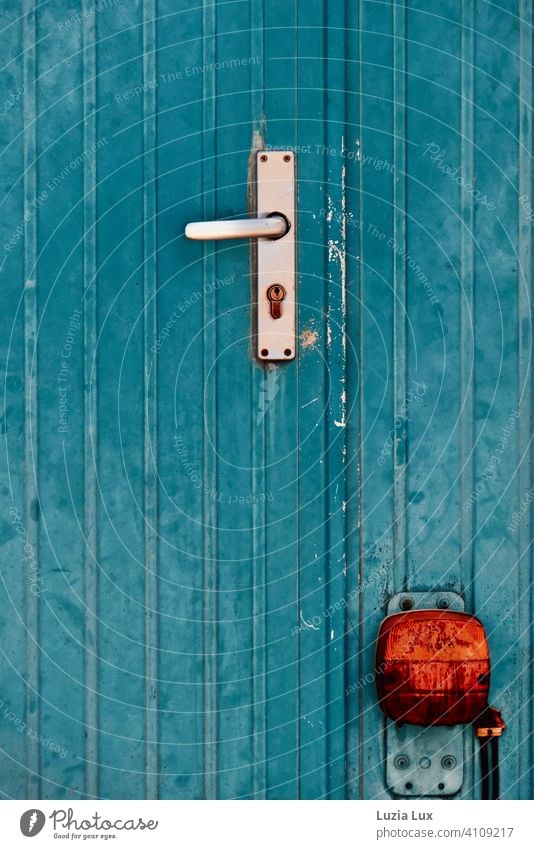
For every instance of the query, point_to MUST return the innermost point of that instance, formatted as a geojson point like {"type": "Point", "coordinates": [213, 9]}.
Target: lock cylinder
{"type": "Point", "coordinates": [275, 295]}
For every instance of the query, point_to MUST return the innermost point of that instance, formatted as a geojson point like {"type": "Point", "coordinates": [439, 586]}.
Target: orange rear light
{"type": "Point", "coordinates": [432, 667]}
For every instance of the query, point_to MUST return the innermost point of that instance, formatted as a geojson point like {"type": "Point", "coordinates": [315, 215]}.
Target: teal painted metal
{"type": "Point", "coordinates": [198, 550]}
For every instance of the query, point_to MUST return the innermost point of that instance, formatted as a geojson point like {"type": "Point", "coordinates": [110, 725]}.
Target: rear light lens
{"type": "Point", "coordinates": [432, 667]}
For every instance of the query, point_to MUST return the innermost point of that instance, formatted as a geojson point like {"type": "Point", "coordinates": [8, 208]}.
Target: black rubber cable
{"type": "Point", "coordinates": [495, 767]}
{"type": "Point", "coordinates": [484, 767]}
{"type": "Point", "coordinates": [489, 751]}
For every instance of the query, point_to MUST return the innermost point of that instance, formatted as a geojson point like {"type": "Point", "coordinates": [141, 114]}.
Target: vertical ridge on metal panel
{"type": "Point", "coordinates": [281, 423]}
{"type": "Point", "coordinates": [116, 382]}
{"type": "Point", "coordinates": [90, 525]}
{"type": "Point", "coordinates": [150, 512]}
{"type": "Point", "coordinates": [209, 461]}
{"type": "Point", "coordinates": [314, 390]}
{"type": "Point", "coordinates": [60, 226]}
{"type": "Point", "coordinates": [13, 583]}
{"type": "Point", "coordinates": [31, 471]}
{"type": "Point", "coordinates": [525, 105]}
{"type": "Point", "coordinates": [429, 422]}
{"type": "Point", "coordinates": [467, 260]}
{"type": "Point", "coordinates": [400, 442]}
{"type": "Point", "coordinates": [232, 432]}
{"type": "Point", "coordinates": [353, 669]}
{"type": "Point", "coordinates": [263, 389]}
{"type": "Point", "coordinates": [498, 401]}
{"type": "Point", "coordinates": [378, 504]}
{"type": "Point", "coordinates": [181, 298]}
{"type": "Point", "coordinates": [339, 266]}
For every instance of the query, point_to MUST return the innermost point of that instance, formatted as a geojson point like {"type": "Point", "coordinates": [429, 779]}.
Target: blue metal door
{"type": "Point", "coordinates": [197, 549]}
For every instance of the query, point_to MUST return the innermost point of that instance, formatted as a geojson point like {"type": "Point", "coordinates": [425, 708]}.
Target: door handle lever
{"type": "Point", "coordinates": [271, 227]}
{"type": "Point", "coordinates": [274, 228]}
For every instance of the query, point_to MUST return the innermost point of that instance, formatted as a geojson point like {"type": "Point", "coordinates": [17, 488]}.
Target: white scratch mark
{"type": "Point", "coordinates": [308, 624]}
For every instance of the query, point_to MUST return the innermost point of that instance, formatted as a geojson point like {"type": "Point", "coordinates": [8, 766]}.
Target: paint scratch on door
{"type": "Point", "coordinates": [309, 338]}
{"type": "Point", "coordinates": [337, 310]}
{"type": "Point", "coordinates": [310, 624]}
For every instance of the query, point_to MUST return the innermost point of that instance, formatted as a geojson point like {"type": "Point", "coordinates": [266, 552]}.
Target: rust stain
{"type": "Point", "coordinates": [309, 338]}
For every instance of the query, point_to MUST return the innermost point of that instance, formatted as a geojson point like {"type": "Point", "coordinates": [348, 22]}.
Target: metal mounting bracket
{"type": "Point", "coordinates": [274, 229]}
{"type": "Point", "coordinates": [424, 761]}
{"type": "Point", "coordinates": [275, 193]}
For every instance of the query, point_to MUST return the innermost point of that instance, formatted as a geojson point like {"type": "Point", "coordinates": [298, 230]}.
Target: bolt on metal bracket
{"type": "Point", "coordinates": [424, 761]}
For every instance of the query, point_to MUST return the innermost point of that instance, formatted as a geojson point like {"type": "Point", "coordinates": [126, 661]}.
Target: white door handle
{"type": "Point", "coordinates": [274, 252]}
{"type": "Point", "coordinates": [271, 227]}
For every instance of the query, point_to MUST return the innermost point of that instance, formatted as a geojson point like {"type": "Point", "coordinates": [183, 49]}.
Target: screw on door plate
{"type": "Point", "coordinates": [276, 294]}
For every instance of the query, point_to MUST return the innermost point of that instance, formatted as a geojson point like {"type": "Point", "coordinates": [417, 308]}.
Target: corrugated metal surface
{"type": "Point", "coordinates": [197, 551]}
{"type": "Point", "coordinates": [436, 512]}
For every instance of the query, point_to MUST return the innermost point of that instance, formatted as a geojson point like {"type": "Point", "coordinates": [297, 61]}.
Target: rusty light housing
{"type": "Point", "coordinates": [432, 667]}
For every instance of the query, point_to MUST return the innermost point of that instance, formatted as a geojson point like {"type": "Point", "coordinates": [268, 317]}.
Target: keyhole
{"type": "Point", "coordinates": [276, 295]}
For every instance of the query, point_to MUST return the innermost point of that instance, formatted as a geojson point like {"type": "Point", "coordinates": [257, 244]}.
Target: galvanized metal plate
{"type": "Point", "coordinates": [402, 602]}
{"type": "Point", "coordinates": [275, 192]}
{"type": "Point", "coordinates": [424, 761]}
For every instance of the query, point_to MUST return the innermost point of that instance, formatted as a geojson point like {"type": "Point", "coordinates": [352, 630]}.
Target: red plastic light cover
{"type": "Point", "coordinates": [432, 667]}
